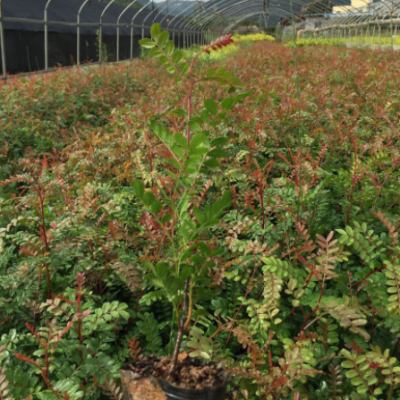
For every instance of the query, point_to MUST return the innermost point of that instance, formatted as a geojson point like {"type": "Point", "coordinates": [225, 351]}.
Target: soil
{"type": "Point", "coordinates": [190, 373]}
{"type": "Point", "coordinates": [143, 388]}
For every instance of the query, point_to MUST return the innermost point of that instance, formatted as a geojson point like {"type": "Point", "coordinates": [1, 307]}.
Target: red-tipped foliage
{"type": "Point", "coordinates": [221, 42]}
{"type": "Point", "coordinates": [26, 359]}
{"type": "Point", "coordinates": [80, 281]}
{"type": "Point", "coordinates": [33, 330]}
{"type": "Point", "coordinates": [60, 334]}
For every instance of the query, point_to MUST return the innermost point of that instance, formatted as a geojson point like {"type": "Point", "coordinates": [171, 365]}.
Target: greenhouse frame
{"type": "Point", "coordinates": [95, 23]}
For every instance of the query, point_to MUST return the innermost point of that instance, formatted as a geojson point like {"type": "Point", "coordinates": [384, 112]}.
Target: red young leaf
{"type": "Point", "coordinates": [80, 316]}
{"type": "Point", "coordinates": [27, 359]}
{"type": "Point", "coordinates": [32, 329]}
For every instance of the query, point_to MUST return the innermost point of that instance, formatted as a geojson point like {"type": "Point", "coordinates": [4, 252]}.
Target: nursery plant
{"type": "Point", "coordinates": [172, 199]}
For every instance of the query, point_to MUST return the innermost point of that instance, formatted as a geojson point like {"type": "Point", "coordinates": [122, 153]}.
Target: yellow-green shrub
{"type": "Point", "coordinates": [255, 37]}
{"type": "Point", "coordinates": [385, 40]}
{"type": "Point", "coordinates": [314, 42]}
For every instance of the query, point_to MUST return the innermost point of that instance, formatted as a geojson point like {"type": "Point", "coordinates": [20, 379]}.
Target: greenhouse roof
{"type": "Point", "coordinates": [195, 15]}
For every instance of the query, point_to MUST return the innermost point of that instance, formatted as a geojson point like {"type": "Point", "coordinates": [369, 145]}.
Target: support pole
{"type": "Point", "coordinates": [131, 49]}
{"type": "Point", "coordinates": [379, 33]}
{"type": "Point", "coordinates": [3, 49]}
{"type": "Point", "coordinates": [78, 33]}
{"type": "Point", "coordinates": [373, 35]}
{"type": "Point", "coordinates": [391, 28]}
{"type": "Point", "coordinates": [101, 31]}
{"type": "Point", "coordinates": [132, 24]}
{"type": "Point", "coordinates": [118, 24]}
{"type": "Point", "coordinates": [46, 36]}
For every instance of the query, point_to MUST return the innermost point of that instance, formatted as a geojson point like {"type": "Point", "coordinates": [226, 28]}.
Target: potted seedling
{"type": "Point", "coordinates": [174, 203]}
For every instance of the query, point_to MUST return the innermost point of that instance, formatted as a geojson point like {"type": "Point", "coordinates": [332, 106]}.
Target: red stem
{"type": "Point", "coordinates": [105, 265]}
{"type": "Point", "coordinates": [191, 87]}
{"type": "Point", "coordinates": [367, 276]}
{"type": "Point", "coordinates": [261, 194]}
{"type": "Point", "coordinates": [353, 184]}
{"type": "Point", "coordinates": [44, 235]}
{"type": "Point", "coordinates": [248, 291]}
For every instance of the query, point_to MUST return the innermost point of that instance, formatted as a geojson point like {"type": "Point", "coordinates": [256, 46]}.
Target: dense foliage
{"type": "Point", "coordinates": [287, 226]}
{"type": "Point", "coordinates": [314, 42]}
{"type": "Point", "coordinates": [349, 40]}
{"type": "Point", "coordinates": [253, 37]}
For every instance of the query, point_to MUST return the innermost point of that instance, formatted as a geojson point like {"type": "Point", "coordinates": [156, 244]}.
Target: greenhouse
{"type": "Point", "coordinates": [87, 28]}
{"type": "Point", "coordinates": [200, 200]}
{"type": "Point", "coordinates": [368, 24]}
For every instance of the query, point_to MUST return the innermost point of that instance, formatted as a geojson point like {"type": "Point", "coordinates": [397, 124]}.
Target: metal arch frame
{"type": "Point", "coordinates": [247, 16]}
{"type": "Point", "coordinates": [354, 14]}
{"type": "Point", "coordinates": [301, 3]}
{"type": "Point", "coordinates": [144, 21]}
{"type": "Point", "coordinates": [347, 23]}
{"type": "Point", "coordinates": [391, 25]}
{"type": "Point", "coordinates": [175, 28]}
{"type": "Point", "coordinates": [211, 23]}
{"type": "Point", "coordinates": [78, 32]}
{"type": "Point", "coordinates": [204, 11]}
{"type": "Point", "coordinates": [118, 21]}
{"type": "Point", "coordinates": [337, 4]}
{"type": "Point", "coordinates": [214, 23]}
{"type": "Point", "coordinates": [143, 26]}
{"type": "Point", "coordinates": [160, 5]}
{"type": "Point", "coordinates": [231, 10]}
{"type": "Point", "coordinates": [145, 6]}
{"type": "Point", "coordinates": [183, 20]}
{"type": "Point", "coordinates": [190, 16]}
{"type": "Point", "coordinates": [207, 12]}
{"type": "Point", "coordinates": [166, 16]}
{"type": "Point", "coordinates": [333, 25]}
{"type": "Point", "coordinates": [282, 11]}
{"type": "Point", "coordinates": [202, 25]}
{"type": "Point", "coordinates": [209, 19]}
{"type": "Point", "coordinates": [231, 6]}
{"type": "Point", "coordinates": [241, 19]}
{"type": "Point", "coordinates": [220, 11]}
{"type": "Point", "coordinates": [187, 17]}
{"type": "Point", "coordinates": [378, 13]}
{"type": "Point", "coordinates": [101, 30]}
{"type": "Point", "coordinates": [317, 7]}
{"type": "Point", "coordinates": [186, 26]}
{"type": "Point", "coordinates": [381, 7]}
{"type": "Point", "coordinates": [168, 23]}
{"type": "Point", "coordinates": [132, 26]}
{"type": "Point", "coordinates": [213, 12]}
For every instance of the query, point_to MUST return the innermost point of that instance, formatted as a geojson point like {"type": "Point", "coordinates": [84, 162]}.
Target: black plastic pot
{"type": "Point", "coordinates": [137, 387]}
{"type": "Point", "coordinates": [176, 393]}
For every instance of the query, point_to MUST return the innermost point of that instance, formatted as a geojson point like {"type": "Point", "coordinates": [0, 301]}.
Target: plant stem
{"type": "Point", "coordinates": [181, 328]}
{"type": "Point", "coordinates": [367, 276]}
{"type": "Point", "coordinates": [189, 315]}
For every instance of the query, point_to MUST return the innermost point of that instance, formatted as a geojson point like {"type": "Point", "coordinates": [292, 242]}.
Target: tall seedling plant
{"type": "Point", "coordinates": [174, 199]}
